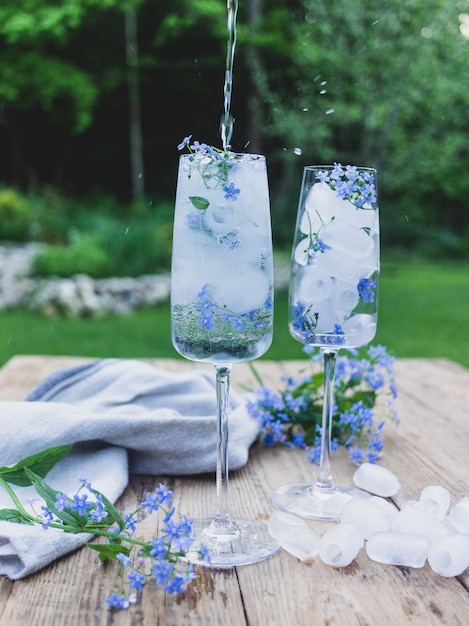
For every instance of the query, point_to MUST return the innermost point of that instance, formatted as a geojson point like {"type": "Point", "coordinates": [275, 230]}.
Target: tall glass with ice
{"type": "Point", "coordinates": [222, 306]}
{"type": "Point", "coordinates": [222, 276]}
{"type": "Point", "coordinates": [333, 298]}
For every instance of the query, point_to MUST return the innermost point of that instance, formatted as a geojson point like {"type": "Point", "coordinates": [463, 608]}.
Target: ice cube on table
{"type": "Point", "coordinates": [376, 479]}
{"type": "Point", "coordinates": [293, 535]}
{"type": "Point", "coordinates": [386, 507]}
{"type": "Point", "coordinates": [340, 545]}
{"type": "Point", "coordinates": [412, 503]}
{"type": "Point", "coordinates": [449, 556]}
{"type": "Point", "coordinates": [434, 500]}
{"type": "Point", "coordinates": [459, 515]}
{"type": "Point", "coordinates": [367, 517]}
{"type": "Point", "coordinates": [397, 548]}
{"type": "Point", "coordinates": [412, 520]}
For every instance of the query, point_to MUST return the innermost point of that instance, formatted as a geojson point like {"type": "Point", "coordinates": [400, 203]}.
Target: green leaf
{"type": "Point", "coordinates": [113, 515]}
{"type": "Point", "coordinates": [313, 415]}
{"type": "Point", "coordinates": [108, 550]}
{"type": "Point", "coordinates": [310, 435]}
{"type": "Point", "coordinates": [256, 374]}
{"type": "Point", "coordinates": [199, 202]}
{"type": "Point", "coordinates": [71, 519]}
{"type": "Point", "coordinates": [40, 464]}
{"type": "Point", "coordinates": [311, 385]}
{"type": "Point", "coordinates": [367, 397]}
{"type": "Point", "coordinates": [12, 515]}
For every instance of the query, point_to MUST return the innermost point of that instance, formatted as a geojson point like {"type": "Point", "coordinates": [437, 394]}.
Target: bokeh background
{"type": "Point", "coordinates": [95, 96]}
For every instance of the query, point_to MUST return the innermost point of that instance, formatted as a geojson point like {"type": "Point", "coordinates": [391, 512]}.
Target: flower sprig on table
{"type": "Point", "coordinates": [162, 559]}
{"type": "Point", "coordinates": [364, 388]}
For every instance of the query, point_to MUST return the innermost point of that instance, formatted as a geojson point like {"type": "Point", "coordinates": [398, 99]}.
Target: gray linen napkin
{"type": "Point", "coordinates": [123, 416]}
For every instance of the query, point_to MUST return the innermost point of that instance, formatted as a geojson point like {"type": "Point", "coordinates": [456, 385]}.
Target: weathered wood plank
{"type": "Point", "coordinates": [22, 373]}
{"type": "Point", "coordinates": [363, 593]}
{"type": "Point", "coordinates": [429, 447]}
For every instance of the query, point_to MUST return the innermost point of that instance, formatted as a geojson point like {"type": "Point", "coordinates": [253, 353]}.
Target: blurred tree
{"type": "Point", "coordinates": [383, 83]}
{"type": "Point", "coordinates": [135, 119]}
{"type": "Point", "coordinates": [36, 81]}
{"type": "Point", "coordinates": [71, 86]}
{"type": "Point", "coordinates": [52, 79]}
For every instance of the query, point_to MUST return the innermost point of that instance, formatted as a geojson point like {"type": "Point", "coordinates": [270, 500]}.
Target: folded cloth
{"type": "Point", "coordinates": [27, 549]}
{"type": "Point", "coordinates": [123, 416]}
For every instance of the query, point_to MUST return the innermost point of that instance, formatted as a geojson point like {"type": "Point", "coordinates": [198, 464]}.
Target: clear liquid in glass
{"type": "Point", "coordinates": [222, 310]}
{"type": "Point", "coordinates": [222, 269]}
{"type": "Point", "coordinates": [333, 300]}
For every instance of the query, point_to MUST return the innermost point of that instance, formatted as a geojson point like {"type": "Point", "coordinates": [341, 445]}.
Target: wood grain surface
{"type": "Point", "coordinates": [430, 446]}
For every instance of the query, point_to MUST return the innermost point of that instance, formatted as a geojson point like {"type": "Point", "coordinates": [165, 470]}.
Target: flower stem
{"type": "Point", "coordinates": [15, 499]}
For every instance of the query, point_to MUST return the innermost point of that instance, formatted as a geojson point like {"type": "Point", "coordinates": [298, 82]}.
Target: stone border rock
{"type": "Point", "coordinates": [81, 295]}
{"type": "Point", "coordinates": [77, 296]}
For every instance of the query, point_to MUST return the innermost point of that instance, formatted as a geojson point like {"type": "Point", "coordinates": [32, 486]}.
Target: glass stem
{"type": "Point", "coordinates": [324, 480]}
{"type": "Point", "coordinates": [222, 518]}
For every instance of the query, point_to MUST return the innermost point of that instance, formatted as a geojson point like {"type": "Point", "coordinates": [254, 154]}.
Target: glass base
{"type": "Point", "coordinates": [243, 543]}
{"type": "Point", "coordinates": [312, 501]}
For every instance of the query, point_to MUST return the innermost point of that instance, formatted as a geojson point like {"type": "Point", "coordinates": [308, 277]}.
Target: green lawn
{"type": "Point", "coordinates": [423, 312]}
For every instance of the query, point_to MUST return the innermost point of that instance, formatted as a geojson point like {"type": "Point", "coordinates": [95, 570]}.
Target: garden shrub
{"type": "Point", "coordinates": [53, 216]}
{"type": "Point", "coordinates": [84, 255]}
{"type": "Point", "coordinates": [140, 247]}
{"type": "Point", "coordinates": [110, 248]}
{"type": "Point", "coordinates": [15, 216]}
{"type": "Point", "coordinates": [98, 237]}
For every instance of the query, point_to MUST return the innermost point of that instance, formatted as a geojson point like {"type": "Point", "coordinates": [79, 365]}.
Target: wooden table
{"type": "Point", "coordinates": [430, 446]}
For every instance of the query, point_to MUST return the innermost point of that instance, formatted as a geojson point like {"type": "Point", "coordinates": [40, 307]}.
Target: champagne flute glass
{"type": "Point", "coordinates": [332, 299]}
{"type": "Point", "coordinates": [222, 308]}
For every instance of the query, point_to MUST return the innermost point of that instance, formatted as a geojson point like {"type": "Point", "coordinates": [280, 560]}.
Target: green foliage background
{"type": "Point", "coordinates": [383, 83]}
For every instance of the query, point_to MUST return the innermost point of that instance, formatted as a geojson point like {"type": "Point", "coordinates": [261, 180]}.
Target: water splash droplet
{"type": "Point", "coordinates": [298, 151]}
